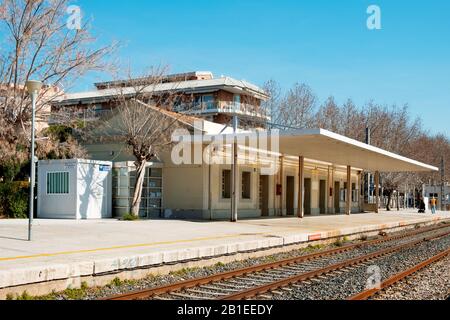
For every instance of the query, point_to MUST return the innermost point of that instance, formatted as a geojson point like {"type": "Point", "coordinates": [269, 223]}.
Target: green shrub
{"type": "Point", "coordinates": [129, 217]}
{"type": "Point", "coordinates": [116, 282]}
{"type": "Point", "coordinates": [59, 132]}
{"type": "Point", "coordinates": [18, 205]}
{"type": "Point", "coordinates": [74, 294]}
{"type": "Point", "coordinates": [13, 200]}
{"type": "Point", "coordinates": [24, 296]}
{"type": "Point", "coordinates": [9, 171]}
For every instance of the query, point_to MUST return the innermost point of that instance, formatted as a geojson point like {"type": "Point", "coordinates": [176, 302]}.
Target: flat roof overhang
{"type": "Point", "coordinates": [188, 87]}
{"type": "Point", "coordinates": [326, 146]}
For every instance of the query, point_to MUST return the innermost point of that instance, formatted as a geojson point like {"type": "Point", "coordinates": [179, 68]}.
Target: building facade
{"type": "Point", "coordinates": [322, 183]}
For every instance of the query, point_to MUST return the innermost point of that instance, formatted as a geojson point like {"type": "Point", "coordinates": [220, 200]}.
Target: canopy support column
{"type": "Point", "coordinates": [377, 191]}
{"type": "Point", "coordinates": [329, 193]}
{"type": "Point", "coordinates": [301, 181]}
{"type": "Point", "coordinates": [235, 174]}
{"type": "Point", "coordinates": [348, 208]}
{"type": "Point", "coordinates": [282, 186]}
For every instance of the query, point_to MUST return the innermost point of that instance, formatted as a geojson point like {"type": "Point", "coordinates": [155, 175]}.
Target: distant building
{"type": "Point", "coordinates": [435, 191]}
{"type": "Point", "coordinates": [198, 94]}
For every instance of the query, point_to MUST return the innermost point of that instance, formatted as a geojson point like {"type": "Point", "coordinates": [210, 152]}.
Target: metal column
{"type": "Point", "coordinates": [235, 174]}
{"type": "Point", "coordinates": [33, 166]}
{"type": "Point", "coordinates": [348, 208]}
{"type": "Point", "coordinates": [301, 181]}
{"type": "Point", "coordinates": [377, 191]}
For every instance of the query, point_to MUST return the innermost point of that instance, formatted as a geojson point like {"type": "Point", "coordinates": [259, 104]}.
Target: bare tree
{"type": "Point", "coordinates": [297, 107]}
{"type": "Point", "coordinates": [392, 128]}
{"type": "Point", "coordinates": [142, 120]}
{"type": "Point", "coordinates": [328, 116]}
{"type": "Point", "coordinates": [272, 105]}
{"type": "Point", "coordinates": [37, 44]}
{"type": "Point", "coordinates": [352, 121]}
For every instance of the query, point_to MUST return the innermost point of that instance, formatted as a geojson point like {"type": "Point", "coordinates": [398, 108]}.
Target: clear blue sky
{"type": "Point", "coordinates": [325, 44]}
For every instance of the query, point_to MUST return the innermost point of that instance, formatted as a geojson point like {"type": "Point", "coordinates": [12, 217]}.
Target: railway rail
{"type": "Point", "coordinates": [367, 294]}
{"type": "Point", "coordinates": [255, 281]}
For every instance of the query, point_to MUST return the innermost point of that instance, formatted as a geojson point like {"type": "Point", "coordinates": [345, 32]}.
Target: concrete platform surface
{"type": "Point", "coordinates": [69, 249]}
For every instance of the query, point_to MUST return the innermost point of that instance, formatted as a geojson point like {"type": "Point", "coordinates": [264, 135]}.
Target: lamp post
{"type": "Point", "coordinates": [33, 88]}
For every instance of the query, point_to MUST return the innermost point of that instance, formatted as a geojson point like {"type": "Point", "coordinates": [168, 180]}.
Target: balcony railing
{"type": "Point", "coordinates": [87, 115]}
{"type": "Point", "coordinates": [222, 107]}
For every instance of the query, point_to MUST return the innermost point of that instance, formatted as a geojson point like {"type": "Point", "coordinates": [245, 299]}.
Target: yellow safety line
{"type": "Point", "coordinates": [154, 244]}
{"type": "Point", "coordinates": [128, 247]}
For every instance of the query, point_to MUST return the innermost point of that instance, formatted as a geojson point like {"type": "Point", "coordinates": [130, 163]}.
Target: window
{"type": "Point", "coordinates": [344, 192]}
{"type": "Point", "coordinates": [355, 193]}
{"type": "Point", "coordinates": [246, 185]}
{"type": "Point", "coordinates": [237, 99]}
{"type": "Point", "coordinates": [208, 101]}
{"type": "Point", "coordinates": [58, 183]}
{"type": "Point", "coordinates": [226, 184]}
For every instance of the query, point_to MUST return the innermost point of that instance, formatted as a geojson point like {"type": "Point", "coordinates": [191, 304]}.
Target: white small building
{"type": "Point", "coordinates": [435, 191]}
{"type": "Point", "coordinates": [74, 189]}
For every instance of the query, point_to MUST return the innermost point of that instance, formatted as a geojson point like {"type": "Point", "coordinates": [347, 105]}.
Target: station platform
{"type": "Point", "coordinates": [65, 251]}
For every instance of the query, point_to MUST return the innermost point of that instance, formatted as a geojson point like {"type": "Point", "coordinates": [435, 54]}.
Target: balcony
{"type": "Point", "coordinates": [229, 108]}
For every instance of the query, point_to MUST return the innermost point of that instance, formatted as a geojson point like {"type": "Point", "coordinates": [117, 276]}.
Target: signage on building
{"type": "Point", "coordinates": [104, 168]}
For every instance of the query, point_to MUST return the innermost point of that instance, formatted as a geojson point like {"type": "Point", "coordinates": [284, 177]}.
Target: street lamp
{"type": "Point", "coordinates": [33, 88]}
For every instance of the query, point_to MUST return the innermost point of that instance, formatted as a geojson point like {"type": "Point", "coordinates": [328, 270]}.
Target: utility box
{"type": "Point", "coordinates": [74, 189]}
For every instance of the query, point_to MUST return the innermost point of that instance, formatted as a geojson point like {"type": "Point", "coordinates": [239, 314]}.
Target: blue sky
{"type": "Point", "coordinates": [325, 44]}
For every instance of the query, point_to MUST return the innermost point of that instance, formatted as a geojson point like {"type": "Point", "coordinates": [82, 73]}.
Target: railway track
{"type": "Point", "coordinates": [282, 276]}
{"type": "Point", "coordinates": [401, 276]}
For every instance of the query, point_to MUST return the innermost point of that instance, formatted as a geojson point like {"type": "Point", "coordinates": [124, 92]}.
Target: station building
{"type": "Point", "coordinates": [318, 172]}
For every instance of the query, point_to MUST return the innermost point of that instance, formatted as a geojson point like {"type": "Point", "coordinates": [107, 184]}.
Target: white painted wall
{"type": "Point", "coordinates": [90, 190]}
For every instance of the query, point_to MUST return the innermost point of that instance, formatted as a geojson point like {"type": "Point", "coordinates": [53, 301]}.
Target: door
{"type": "Point", "coordinates": [290, 191]}
{"type": "Point", "coordinates": [264, 195]}
{"type": "Point", "coordinates": [323, 197]}
{"type": "Point", "coordinates": [307, 196]}
{"type": "Point", "coordinates": [337, 200]}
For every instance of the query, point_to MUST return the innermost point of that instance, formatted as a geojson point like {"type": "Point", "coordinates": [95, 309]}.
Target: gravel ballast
{"type": "Point", "coordinates": [431, 283]}
{"type": "Point", "coordinates": [347, 284]}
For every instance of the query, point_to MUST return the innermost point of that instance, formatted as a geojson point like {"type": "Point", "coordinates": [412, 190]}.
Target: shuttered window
{"type": "Point", "coordinates": [58, 183]}
{"type": "Point", "coordinates": [226, 184]}
{"type": "Point", "coordinates": [246, 185]}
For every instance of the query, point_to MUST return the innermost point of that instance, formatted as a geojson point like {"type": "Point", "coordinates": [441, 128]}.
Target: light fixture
{"type": "Point", "coordinates": [33, 86]}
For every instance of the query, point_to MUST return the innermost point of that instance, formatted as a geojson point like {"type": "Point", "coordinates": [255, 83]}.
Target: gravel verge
{"type": "Point", "coordinates": [431, 283]}
{"type": "Point", "coordinates": [347, 284]}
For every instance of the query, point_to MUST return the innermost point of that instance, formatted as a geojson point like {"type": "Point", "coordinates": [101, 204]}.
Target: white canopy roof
{"type": "Point", "coordinates": [323, 145]}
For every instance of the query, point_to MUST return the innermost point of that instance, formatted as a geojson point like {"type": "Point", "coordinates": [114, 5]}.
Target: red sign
{"type": "Point", "coordinates": [315, 237]}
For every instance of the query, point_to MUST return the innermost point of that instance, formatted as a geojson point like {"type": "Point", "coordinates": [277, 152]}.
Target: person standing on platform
{"type": "Point", "coordinates": [433, 203]}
